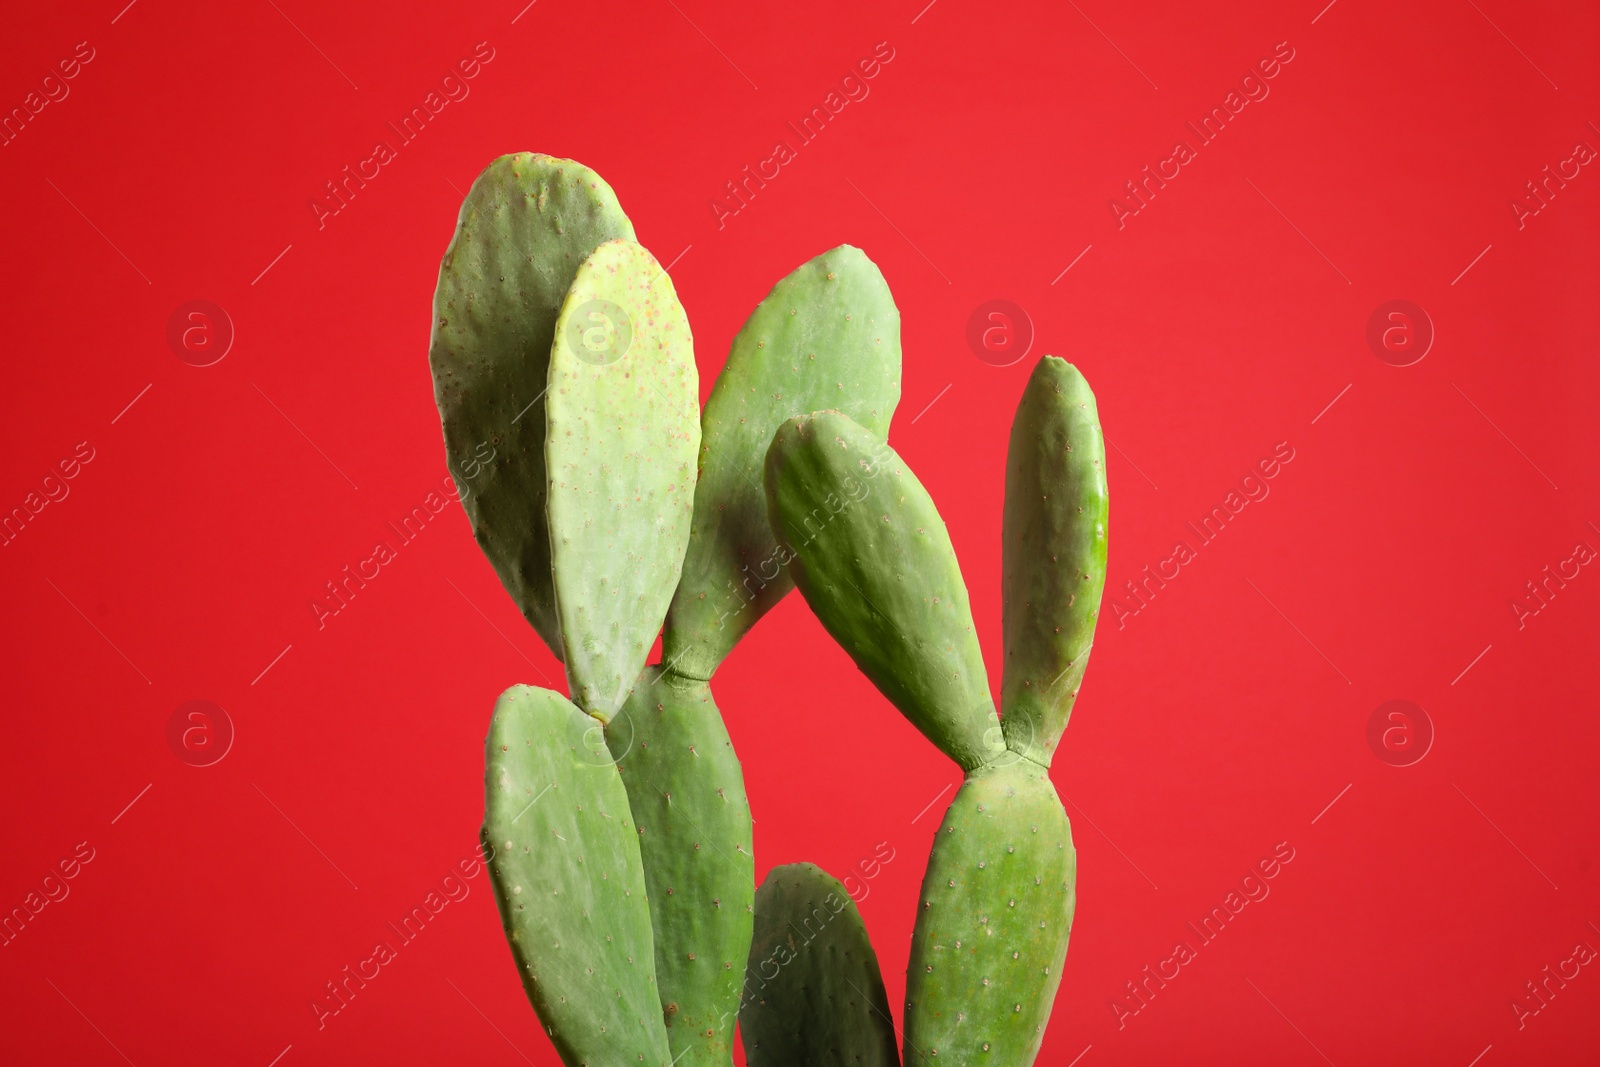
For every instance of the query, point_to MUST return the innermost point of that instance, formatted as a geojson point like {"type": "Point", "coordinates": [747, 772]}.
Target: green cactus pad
{"type": "Point", "coordinates": [875, 563]}
{"type": "Point", "coordinates": [814, 996]}
{"type": "Point", "coordinates": [567, 875]}
{"type": "Point", "coordinates": [624, 429]}
{"type": "Point", "coordinates": [827, 336]}
{"type": "Point", "coordinates": [992, 922]}
{"type": "Point", "coordinates": [1054, 557]}
{"type": "Point", "coordinates": [525, 227]}
{"type": "Point", "coordinates": [686, 791]}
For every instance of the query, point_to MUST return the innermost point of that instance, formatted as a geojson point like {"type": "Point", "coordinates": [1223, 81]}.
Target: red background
{"type": "Point", "coordinates": [1221, 320]}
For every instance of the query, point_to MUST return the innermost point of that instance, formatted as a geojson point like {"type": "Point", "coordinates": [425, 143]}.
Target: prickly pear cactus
{"type": "Point", "coordinates": [828, 333]}
{"type": "Point", "coordinates": [997, 900]}
{"type": "Point", "coordinates": [813, 994]}
{"type": "Point", "coordinates": [1053, 561]}
{"type": "Point", "coordinates": [827, 336]}
{"type": "Point", "coordinates": [686, 790]}
{"type": "Point", "coordinates": [569, 881]}
{"type": "Point", "coordinates": [526, 226]}
{"type": "Point", "coordinates": [876, 565]}
{"type": "Point", "coordinates": [624, 430]}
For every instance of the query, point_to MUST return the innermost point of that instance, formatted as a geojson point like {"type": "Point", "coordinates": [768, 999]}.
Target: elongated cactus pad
{"type": "Point", "coordinates": [1054, 557]}
{"type": "Point", "coordinates": [992, 922]}
{"type": "Point", "coordinates": [875, 563]}
{"type": "Point", "coordinates": [827, 336]}
{"type": "Point", "coordinates": [814, 996]}
{"type": "Point", "coordinates": [569, 881]}
{"type": "Point", "coordinates": [687, 795]}
{"type": "Point", "coordinates": [525, 227]}
{"type": "Point", "coordinates": [624, 430]}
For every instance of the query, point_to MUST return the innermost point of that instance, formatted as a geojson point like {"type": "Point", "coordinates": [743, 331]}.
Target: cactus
{"type": "Point", "coordinates": [616, 821]}
{"type": "Point", "coordinates": [567, 875]}
{"type": "Point", "coordinates": [527, 224]}
{"type": "Point", "coordinates": [565, 380]}
{"type": "Point", "coordinates": [602, 475]}
{"type": "Point", "coordinates": [997, 900]}
{"type": "Point", "coordinates": [828, 333]}
{"type": "Point", "coordinates": [814, 995]}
